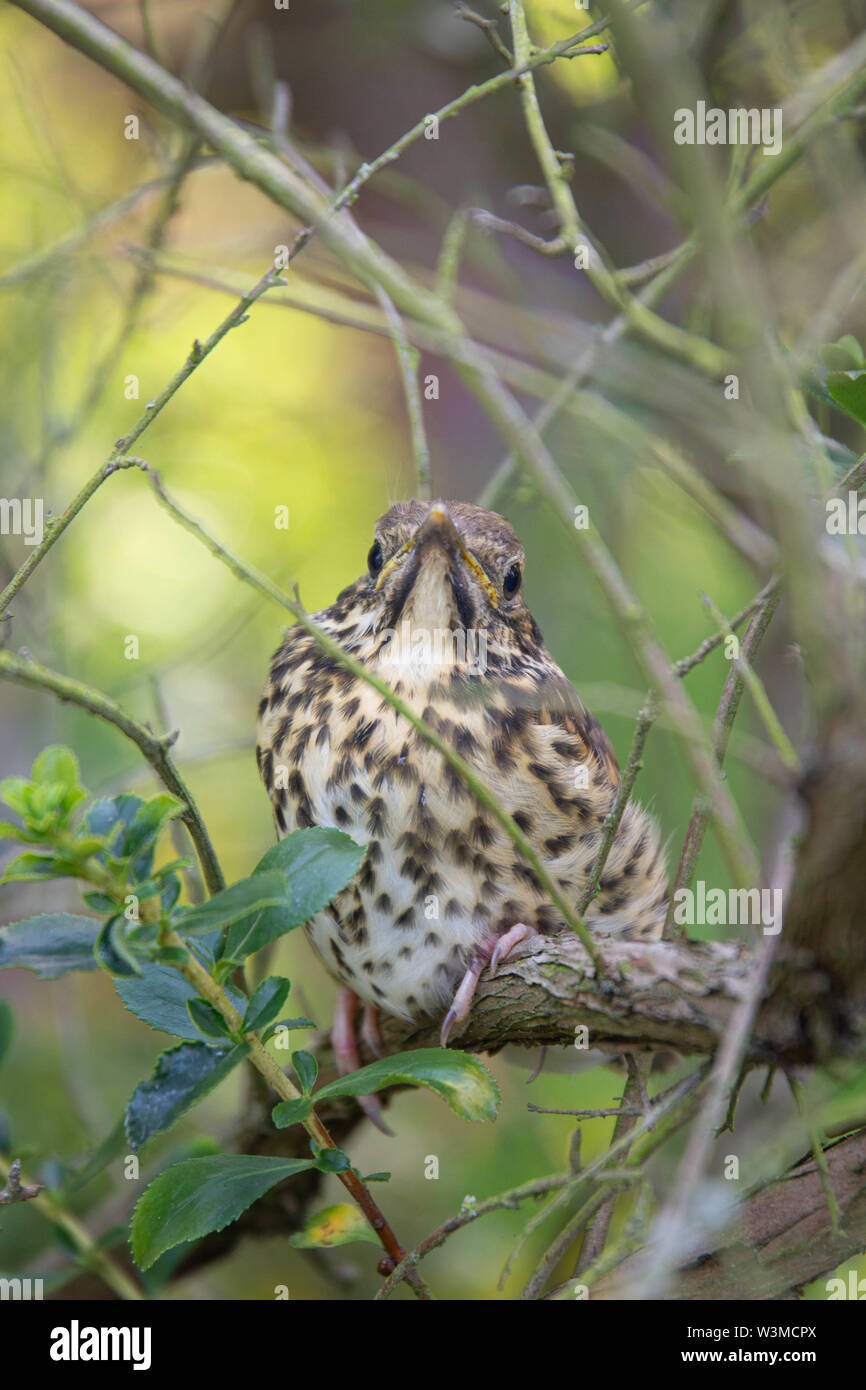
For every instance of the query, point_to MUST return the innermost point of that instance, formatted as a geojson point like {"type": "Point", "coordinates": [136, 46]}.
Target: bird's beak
{"type": "Point", "coordinates": [438, 529]}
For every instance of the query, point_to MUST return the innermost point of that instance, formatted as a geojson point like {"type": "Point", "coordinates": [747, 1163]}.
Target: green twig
{"type": "Point", "coordinates": [755, 687]}
{"type": "Point", "coordinates": [645, 721]}
{"type": "Point", "coordinates": [724, 720]}
{"type": "Point", "coordinates": [100, 1261]}
{"type": "Point", "coordinates": [505, 1201]}
{"type": "Point", "coordinates": [817, 1143]}
{"type": "Point", "coordinates": [665, 1108]}
{"type": "Point", "coordinates": [703, 355]}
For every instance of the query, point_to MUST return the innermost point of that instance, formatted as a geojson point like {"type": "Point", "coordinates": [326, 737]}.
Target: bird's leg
{"type": "Point", "coordinates": [370, 1029]}
{"type": "Point", "coordinates": [345, 1046]}
{"type": "Point", "coordinates": [492, 949]}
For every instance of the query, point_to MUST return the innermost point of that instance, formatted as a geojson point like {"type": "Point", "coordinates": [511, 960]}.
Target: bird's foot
{"type": "Point", "coordinates": [507, 942]}
{"type": "Point", "coordinates": [495, 950]}
{"type": "Point", "coordinates": [345, 1046]}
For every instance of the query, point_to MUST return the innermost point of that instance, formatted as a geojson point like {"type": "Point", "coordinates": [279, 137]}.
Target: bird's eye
{"type": "Point", "coordinates": [511, 582]}
{"type": "Point", "coordinates": [376, 558]}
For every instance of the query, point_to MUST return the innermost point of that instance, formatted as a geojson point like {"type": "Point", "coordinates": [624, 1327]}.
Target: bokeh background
{"type": "Point", "coordinates": [303, 407]}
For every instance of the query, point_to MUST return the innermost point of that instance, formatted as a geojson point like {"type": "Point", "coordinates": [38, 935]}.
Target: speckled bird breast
{"type": "Point", "coordinates": [440, 874]}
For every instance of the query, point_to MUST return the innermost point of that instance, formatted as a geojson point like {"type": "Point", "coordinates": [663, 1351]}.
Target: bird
{"type": "Point", "coordinates": [442, 892]}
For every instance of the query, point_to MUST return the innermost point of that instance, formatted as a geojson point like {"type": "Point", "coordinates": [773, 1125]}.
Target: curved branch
{"type": "Point", "coordinates": [675, 995]}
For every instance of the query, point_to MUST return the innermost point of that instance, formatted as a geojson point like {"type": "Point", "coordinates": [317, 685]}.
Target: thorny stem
{"type": "Point", "coordinates": [755, 686]}
{"type": "Point", "coordinates": [818, 1154]}
{"type": "Point", "coordinates": [664, 1111]}
{"type": "Point", "coordinates": [634, 1102]}
{"type": "Point", "coordinates": [645, 721]}
{"type": "Point", "coordinates": [565, 48]}
{"type": "Point", "coordinates": [702, 354]}
{"type": "Point", "coordinates": [470, 1212]}
{"type": "Point", "coordinates": [725, 715]}
{"type": "Point", "coordinates": [615, 1251]}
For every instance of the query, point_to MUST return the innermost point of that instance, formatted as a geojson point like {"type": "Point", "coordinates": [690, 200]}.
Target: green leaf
{"type": "Point", "coordinates": [32, 868]}
{"type": "Point", "coordinates": [148, 821]}
{"type": "Point", "coordinates": [843, 356]}
{"type": "Point", "coordinates": [46, 804]}
{"type": "Point", "coordinates": [333, 1160]}
{"type": "Point", "coordinates": [307, 1069]}
{"type": "Point", "coordinates": [10, 831]}
{"type": "Point", "coordinates": [200, 1195]}
{"type": "Point", "coordinates": [337, 1225]}
{"type": "Point", "coordinates": [172, 955]}
{"type": "Point", "coordinates": [318, 863]}
{"type": "Point", "coordinates": [140, 934]}
{"type": "Point", "coordinates": [288, 1024]}
{"type": "Point", "coordinates": [207, 1019]}
{"type": "Point", "coordinates": [110, 816]}
{"type": "Point", "coordinates": [111, 950]}
{"type": "Point", "coordinates": [266, 1003]}
{"type": "Point", "coordinates": [291, 1112]}
{"type": "Point", "coordinates": [848, 390]}
{"type": "Point", "coordinates": [100, 902]}
{"type": "Point", "coordinates": [232, 904]}
{"type": "Point", "coordinates": [184, 1075]}
{"type": "Point", "coordinates": [51, 944]}
{"type": "Point", "coordinates": [460, 1079]}
{"type": "Point", "coordinates": [223, 969]}
{"type": "Point", "coordinates": [56, 764]}
{"type": "Point", "coordinates": [7, 1027]}
{"type": "Point", "coordinates": [14, 792]}
{"type": "Point", "coordinates": [159, 998]}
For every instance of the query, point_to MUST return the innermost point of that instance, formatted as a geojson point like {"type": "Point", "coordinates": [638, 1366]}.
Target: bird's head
{"type": "Point", "coordinates": [449, 568]}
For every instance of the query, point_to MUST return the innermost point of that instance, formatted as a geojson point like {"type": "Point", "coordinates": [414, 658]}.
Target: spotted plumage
{"type": "Point", "coordinates": [439, 615]}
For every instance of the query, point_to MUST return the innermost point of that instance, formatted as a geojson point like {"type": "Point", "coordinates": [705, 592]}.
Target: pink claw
{"type": "Point", "coordinates": [494, 951]}
{"type": "Point", "coordinates": [507, 942]}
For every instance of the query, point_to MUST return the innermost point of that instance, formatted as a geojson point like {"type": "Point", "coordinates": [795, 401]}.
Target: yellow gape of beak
{"type": "Point", "coordinates": [438, 519]}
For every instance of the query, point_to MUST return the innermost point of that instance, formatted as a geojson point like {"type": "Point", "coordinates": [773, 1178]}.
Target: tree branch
{"type": "Point", "coordinates": [781, 1239]}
